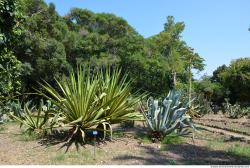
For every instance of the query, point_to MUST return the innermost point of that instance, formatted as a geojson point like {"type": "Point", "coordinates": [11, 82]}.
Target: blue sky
{"type": "Point", "coordinates": [216, 29]}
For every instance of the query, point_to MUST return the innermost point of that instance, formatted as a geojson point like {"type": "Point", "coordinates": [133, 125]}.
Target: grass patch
{"type": "Point", "coordinates": [145, 138]}
{"type": "Point", "coordinates": [172, 162]}
{"type": "Point", "coordinates": [240, 150]}
{"type": "Point", "coordinates": [59, 157]}
{"type": "Point", "coordinates": [217, 143]}
{"type": "Point", "coordinates": [173, 139]}
{"type": "Point", "coordinates": [83, 156]}
{"type": "Point", "coordinates": [27, 137]}
{"type": "Point", "coordinates": [2, 128]}
{"type": "Point", "coordinates": [73, 155]}
{"type": "Point", "coordinates": [118, 134]}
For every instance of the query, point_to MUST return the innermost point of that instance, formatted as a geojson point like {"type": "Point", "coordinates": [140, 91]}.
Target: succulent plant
{"type": "Point", "coordinates": [164, 117]}
{"type": "Point", "coordinates": [37, 120]}
{"type": "Point", "coordinates": [234, 111]}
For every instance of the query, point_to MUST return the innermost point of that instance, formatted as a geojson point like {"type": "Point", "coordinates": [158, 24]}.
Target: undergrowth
{"type": "Point", "coordinates": [239, 150]}
{"type": "Point", "coordinates": [173, 138]}
{"type": "Point", "coordinates": [28, 137]}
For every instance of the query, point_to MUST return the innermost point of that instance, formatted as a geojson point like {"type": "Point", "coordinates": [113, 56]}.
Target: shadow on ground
{"type": "Point", "coordinates": [60, 139]}
{"type": "Point", "coordinates": [185, 154]}
{"type": "Point", "coordinates": [152, 157]}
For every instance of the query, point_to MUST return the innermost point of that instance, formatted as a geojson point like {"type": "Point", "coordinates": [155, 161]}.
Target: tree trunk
{"type": "Point", "coordinates": [173, 80]}
{"type": "Point", "coordinates": [190, 85]}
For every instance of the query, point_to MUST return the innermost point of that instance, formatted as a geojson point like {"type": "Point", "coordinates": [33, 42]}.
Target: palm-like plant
{"type": "Point", "coordinates": [164, 117]}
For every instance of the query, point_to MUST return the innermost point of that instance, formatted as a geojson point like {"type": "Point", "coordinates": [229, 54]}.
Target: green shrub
{"type": "Point", "coordinates": [203, 105]}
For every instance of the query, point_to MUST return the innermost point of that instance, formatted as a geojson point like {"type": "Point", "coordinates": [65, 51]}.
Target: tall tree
{"type": "Point", "coordinates": [170, 45]}
{"type": "Point", "coordinates": [192, 61]}
{"type": "Point", "coordinates": [41, 45]}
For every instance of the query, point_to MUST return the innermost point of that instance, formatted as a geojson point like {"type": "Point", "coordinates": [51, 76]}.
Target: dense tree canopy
{"type": "Point", "coordinates": [236, 77]}
{"type": "Point", "coordinates": [39, 44]}
{"type": "Point", "coordinates": [49, 45]}
{"type": "Point", "coordinates": [231, 82]}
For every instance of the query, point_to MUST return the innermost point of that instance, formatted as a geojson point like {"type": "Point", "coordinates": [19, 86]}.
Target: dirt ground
{"type": "Point", "coordinates": [208, 148]}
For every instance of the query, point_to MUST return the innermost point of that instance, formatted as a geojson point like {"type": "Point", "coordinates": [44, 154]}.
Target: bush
{"type": "Point", "coordinates": [235, 111]}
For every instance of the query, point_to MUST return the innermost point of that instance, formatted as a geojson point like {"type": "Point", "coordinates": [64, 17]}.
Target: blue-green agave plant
{"type": "Point", "coordinates": [164, 117]}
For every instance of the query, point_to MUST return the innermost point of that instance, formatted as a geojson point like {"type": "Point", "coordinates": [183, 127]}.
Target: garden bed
{"type": "Point", "coordinates": [241, 125]}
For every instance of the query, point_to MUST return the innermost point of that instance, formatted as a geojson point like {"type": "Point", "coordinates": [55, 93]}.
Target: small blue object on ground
{"type": "Point", "coordinates": [95, 132]}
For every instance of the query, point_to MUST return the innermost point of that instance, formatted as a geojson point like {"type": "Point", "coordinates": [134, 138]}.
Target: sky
{"type": "Point", "coordinates": [216, 29]}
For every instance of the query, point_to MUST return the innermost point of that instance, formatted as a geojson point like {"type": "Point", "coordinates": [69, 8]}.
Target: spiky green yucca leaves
{"type": "Point", "coordinates": [78, 101]}
{"type": "Point", "coordinates": [164, 117]}
{"type": "Point", "coordinates": [35, 122]}
{"type": "Point", "coordinates": [118, 96]}
{"type": "Point", "coordinates": [87, 101]}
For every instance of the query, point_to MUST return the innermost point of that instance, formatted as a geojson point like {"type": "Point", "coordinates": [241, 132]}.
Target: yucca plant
{"type": "Point", "coordinates": [89, 101]}
{"type": "Point", "coordinates": [78, 100]}
{"type": "Point", "coordinates": [35, 122]}
{"type": "Point", "coordinates": [164, 117]}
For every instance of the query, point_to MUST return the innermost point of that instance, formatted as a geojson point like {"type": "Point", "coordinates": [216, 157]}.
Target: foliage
{"type": "Point", "coordinates": [37, 121]}
{"type": "Point", "coordinates": [10, 71]}
{"type": "Point", "coordinates": [239, 150]}
{"type": "Point", "coordinates": [164, 117]}
{"type": "Point", "coordinates": [234, 111]}
{"type": "Point", "coordinates": [11, 106]}
{"type": "Point", "coordinates": [212, 92]}
{"type": "Point", "coordinates": [178, 55]}
{"type": "Point", "coordinates": [10, 67]}
{"type": "Point", "coordinates": [51, 44]}
{"type": "Point", "coordinates": [10, 23]}
{"type": "Point", "coordinates": [236, 79]}
{"type": "Point", "coordinates": [143, 137]}
{"type": "Point", "coordinates": [118, 96]}
{"type": "Point", "coordinates": [173, 138]}
{"type": "Point", "coordinates": [201, 105]}
{"type": "Point", "coordinates": [28, 136]}
{"type": "Point", "coordinates": [78, 101]}
{"type": "Point", "coordinates": [86, 101]}
{"type": "Point", "coordinates": [246, 111]}
{"type": "Point", "coordinates": [41, 43]}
